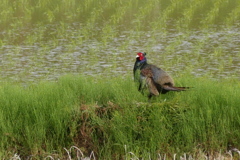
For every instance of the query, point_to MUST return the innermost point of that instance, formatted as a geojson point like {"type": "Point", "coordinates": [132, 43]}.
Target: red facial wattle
{"type": "Point", "coordinates": [140, 56]}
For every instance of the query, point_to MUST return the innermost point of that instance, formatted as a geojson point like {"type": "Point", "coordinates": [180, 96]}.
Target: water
{"type": "Point", "coordinates": [105, 47]}
{"type": "Point", "coordinates": [29, 63]}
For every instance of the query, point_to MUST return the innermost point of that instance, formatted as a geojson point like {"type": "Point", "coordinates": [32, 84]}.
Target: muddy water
{"type": "Point", "coordinates": [199, 51]}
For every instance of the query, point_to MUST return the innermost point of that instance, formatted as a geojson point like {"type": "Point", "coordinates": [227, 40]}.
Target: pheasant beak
{"type": "Point", "coordinates": [137, 56]}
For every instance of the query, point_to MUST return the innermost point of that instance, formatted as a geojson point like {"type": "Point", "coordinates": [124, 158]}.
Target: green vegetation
{"type": "Point", "coordinates": [45, 114]}
{"type": "Point", "coordinates": [110, 118]}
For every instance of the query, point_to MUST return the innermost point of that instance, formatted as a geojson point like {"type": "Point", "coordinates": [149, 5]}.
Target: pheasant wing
{"type": "Point", "coordinates": [148, 82]}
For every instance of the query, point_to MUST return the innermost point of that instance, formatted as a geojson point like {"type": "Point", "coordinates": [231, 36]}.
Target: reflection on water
{"type": "Point", "coordinates": [216, 52]}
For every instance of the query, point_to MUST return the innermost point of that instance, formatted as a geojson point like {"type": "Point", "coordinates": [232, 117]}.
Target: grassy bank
{"type": "Point", "coordinates": [110, 118]}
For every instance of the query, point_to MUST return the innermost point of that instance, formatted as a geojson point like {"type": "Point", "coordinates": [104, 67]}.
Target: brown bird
{"type": "Point", "coordinates": [152, 79]}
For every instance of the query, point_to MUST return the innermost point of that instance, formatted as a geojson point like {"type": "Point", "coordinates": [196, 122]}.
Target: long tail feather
{"type": "Point", "coordinates": [172, 88]}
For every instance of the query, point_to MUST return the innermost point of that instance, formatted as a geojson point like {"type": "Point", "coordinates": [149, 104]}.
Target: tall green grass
{"type": "Point", "coordinates": [111, 118]}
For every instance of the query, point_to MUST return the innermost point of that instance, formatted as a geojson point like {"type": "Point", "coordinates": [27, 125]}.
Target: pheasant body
{"type": "Point", "coordinates": [152, 79]}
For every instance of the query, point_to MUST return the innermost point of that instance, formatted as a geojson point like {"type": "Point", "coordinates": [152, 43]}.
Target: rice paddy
{"type": "Point", "coordinates": [96, 107]}
{"type": "Point", "coordinates": [46, 39]}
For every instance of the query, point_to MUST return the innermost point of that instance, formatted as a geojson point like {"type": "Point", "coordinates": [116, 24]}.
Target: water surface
{"type": "Point", "coordinates": [106, 45]}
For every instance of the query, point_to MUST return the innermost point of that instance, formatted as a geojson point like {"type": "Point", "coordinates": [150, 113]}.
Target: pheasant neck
{"type": "Point", "coordinates": [141, 63]}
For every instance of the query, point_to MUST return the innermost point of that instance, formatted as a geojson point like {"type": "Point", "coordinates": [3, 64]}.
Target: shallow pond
{"type": "Point", "coordinates": [47, 51]}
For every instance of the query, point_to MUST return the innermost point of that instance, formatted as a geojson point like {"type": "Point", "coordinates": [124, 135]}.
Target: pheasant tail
{"type": "Point", "coordinates": [172, 88]}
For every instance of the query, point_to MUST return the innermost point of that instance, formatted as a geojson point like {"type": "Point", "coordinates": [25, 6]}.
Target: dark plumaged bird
{"type": "Point", "coordinates": [152, 79]}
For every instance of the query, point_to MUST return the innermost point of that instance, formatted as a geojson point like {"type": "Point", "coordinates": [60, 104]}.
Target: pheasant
{"type": "Point", "coordinates": [151, 78]}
